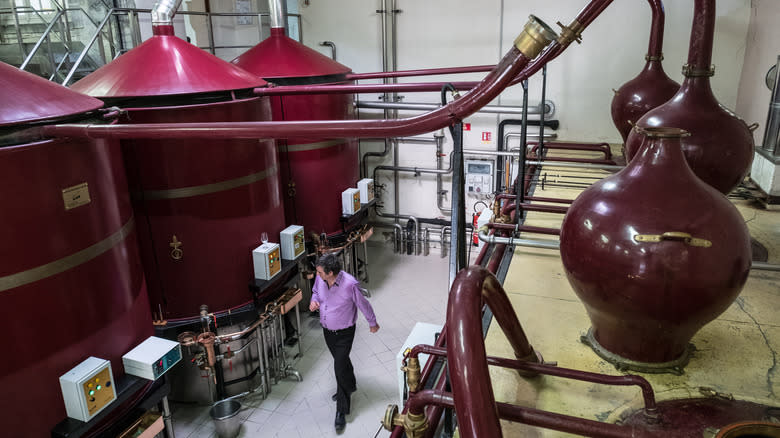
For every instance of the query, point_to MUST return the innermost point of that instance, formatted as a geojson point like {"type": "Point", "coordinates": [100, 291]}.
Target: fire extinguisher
{"type": "Point", "coordinates": [475, 232]}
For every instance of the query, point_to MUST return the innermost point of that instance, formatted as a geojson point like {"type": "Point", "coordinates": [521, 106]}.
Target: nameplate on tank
{"type": "Point", "coordinates": [76, 196]}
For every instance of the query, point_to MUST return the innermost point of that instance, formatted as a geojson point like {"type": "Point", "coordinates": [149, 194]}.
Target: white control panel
{"type": "Point", "coordinates": [292, 242]}
{"type": "Point", "coordinates": [152, 358]}
{"type": "Point", "coordinates": [350, 201]}
{"type": "Point", "coordinates": [366, 187]}
{"type": "Point", "coordinates": [266, 261]}
{"type": "Point", "coordinates": [88, 388]}
{"type": "Point", "coordinates": [479, 177]}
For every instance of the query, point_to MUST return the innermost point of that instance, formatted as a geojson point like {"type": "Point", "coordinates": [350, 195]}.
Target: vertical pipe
{"type": "Point", "coordinates": [458, 215]}
{"type": "Point", "coordinates": [700, 52]}
{"type": "Point", "coordinates": [210, 26]}
{"type": "Point", "coordinates": [439, 138]}
{"type": "Point", "coordinates": [541, 116]}
{"type": "Point", "coordinates": [167, 418]}
{"type": "Point", "coordinates": [520, 185]}
{"type": "Point", "coordinates": [260, 364]}
{"type": "Point", "coordinates": [277, 10]}
{"type": "Point", "coordinates": [19, 31]}
{"type": "Point", "coordinates": [266, 360]}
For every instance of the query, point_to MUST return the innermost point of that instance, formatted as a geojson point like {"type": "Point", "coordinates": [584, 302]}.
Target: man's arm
{"type": "Point", "coordinates": [314, 304]}
{"type": "Point", "coordinates": [365, 307]}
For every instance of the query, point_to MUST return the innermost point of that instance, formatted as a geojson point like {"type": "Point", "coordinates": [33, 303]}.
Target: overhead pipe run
{"type": "Point", "coordinates": [277, 12]}
{"type": "Point", "coordinates": [163, 12]}
{"type": "Point", "coordinates": [532, 41]}
{"type": "Point", "coordinates": [549, 106]}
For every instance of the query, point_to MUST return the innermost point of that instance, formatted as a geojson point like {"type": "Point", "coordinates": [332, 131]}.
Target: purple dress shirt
{"type": "Point", "coordinates": [339, 303]}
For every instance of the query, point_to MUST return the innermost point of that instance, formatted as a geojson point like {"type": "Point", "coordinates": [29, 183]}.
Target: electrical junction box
{"type": "Point", "coordinates": [291, 239]}
{"type": "Point", "coordinates": [479, 177]}
{"type": "Point", "coordinates": [152, 358]}
{"type": "Point", "coordinates": [366, 187]}
{"type": "Point", "coordinates": [350, 201]}
{"type": "Point", "coordinates": [88, 388]}
{"type": "Point", "coordinates": [266, 261]}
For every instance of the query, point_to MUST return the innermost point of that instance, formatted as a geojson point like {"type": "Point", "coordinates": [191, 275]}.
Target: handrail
{"type": "Point", "coordinates": [44, 35]}
{"type": "Point", "coordinates": [88, 46]}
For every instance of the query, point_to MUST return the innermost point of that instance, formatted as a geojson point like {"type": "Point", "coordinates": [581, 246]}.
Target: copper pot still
{"type": "Point", "coordinates": [652, 87]}
{"type": "Point", "coordinates": [654, 253]}
{"type": "Point", "coordinates": [720, 147]}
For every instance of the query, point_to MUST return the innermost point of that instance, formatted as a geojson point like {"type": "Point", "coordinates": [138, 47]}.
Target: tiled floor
{"type": "Point", "coordinates": [405, 289]}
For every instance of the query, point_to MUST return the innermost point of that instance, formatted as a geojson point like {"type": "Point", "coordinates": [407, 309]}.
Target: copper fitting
{"type": "Point", "coordinates": [187, 339]}
{"type": "Point", "coordinates": [536, 35]}
{"type": "Point", "coordinates": [650, 57]}
{"type": "Point", "coordinates": [413, 372]}
{"type": "Point", "coordinates": [415, 425]}
{"type": "Point", "coordinates": [207, 340]}
{"type": "Point", "coordinates": [572, 32]}
{"type": "Point", "coordinates": [392, 418]}
{"type": "Point", "coordinates": [690, 72]}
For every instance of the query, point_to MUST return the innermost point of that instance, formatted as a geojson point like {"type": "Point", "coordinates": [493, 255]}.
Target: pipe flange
{"type": "Point", "coordinates": [389, 420]}
{"type": "Point", "coordinates": [572, 32]}
{"type": "Point", "coordinates": [536, 35]}
{"type": "Point", "coordinates": [676, 366]}
{"type": "Point", "coordinates": [650, 57]}
{"type": "Point", "coordinates": [689, 72]}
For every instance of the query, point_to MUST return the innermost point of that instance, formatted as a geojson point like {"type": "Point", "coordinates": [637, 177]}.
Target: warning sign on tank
{"type": "Point", "coordinates": [76, 196]}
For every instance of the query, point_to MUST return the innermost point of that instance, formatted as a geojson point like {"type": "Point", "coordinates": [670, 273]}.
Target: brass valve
{"type": "Point", "coordinates": [536, 35]}
{"type": "Point", "coordinates": [414, 425]}
{"type": "Point", "coordinates": [413, 373]}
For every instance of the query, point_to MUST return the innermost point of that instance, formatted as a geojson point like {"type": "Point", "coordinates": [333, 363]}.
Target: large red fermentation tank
{"type": "Point", "coordinates": [314, 171]}
{"type": "Point", "coordinates": [71, 282]}
{"type": "Point", "coordinates": [202, 204]}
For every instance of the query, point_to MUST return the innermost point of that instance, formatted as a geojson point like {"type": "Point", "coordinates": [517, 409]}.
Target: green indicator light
{"type": "Point", "coordinates": [91, 392]}
{"type": "Point", "coordinates": [99, 387]}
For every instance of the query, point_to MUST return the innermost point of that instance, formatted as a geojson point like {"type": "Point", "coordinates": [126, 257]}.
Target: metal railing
{"type": "Point", "coordinates": [109, 35]}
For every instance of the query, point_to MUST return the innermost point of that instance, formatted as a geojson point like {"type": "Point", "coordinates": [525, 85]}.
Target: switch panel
{"type": "Point", "coordinates": [291, 240]}
{"type": "Point", "coordinates": [366, 187]}
{"type": "Point", "coordinates": [152, 358]}
{"type": "Point", "coordinates": [88, 388]}
{"type": "Point", "coordinates": [266, 261]}
{"type": "Point", "coordinates": [479, 177]}
{"type": "Point", "coordinates": [350, 201]}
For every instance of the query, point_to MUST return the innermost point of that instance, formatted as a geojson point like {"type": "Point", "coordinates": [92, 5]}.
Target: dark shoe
{"type": "Point", "coordinates": [291, 340]}
{"type": "Point", "coordinates": [340, 422]}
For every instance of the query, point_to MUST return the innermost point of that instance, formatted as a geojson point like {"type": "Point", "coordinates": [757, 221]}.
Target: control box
{"type": "Point", "coordinates": [479, 177]}
{"type": "Point", "coordinates": [88, 388]}
{"type": "Point", "coordinates": [152, 358]}
{"type": "Point", "coordinates": [366, 187]}
{"type": "Point", "coordinates": [266, 261]}
{"type": "Point", "coordinates": [291, 239]}
{"type": "Point", "coordinates": [350, 201]}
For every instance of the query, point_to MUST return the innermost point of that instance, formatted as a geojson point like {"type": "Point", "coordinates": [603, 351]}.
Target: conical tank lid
{"type": "Point", "coordinates": [31, 98]}
{"type": "Point", "coordinates": [280, 56]}
{"type": "Point", "coordinates": [165, 65]}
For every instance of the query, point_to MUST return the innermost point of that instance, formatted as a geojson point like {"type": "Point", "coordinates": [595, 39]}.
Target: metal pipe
{"type": "Point", "coordinates": [420, 72]}
{"type": "Point", "coordinates": [414, 106]}
{"type": "Point", "coordinates": [332, 46]}
{"type": "Point", "coordinates": [702, 35]}
{"type": "Point", "coordinates": [440, 192]}
{"type": "Point", "coordinates": [163, 12]}
{"type": "Point", "coordinates": [397, 233]}
{"type": "Point", "coordinates": [416, 234]}
{"type": "Point", "coordinates": [765, 266]}
{"type": "Point", "coordinates": [525, 228]}
{"type": "Point", "coordinates": [260, 363]}
{"type": "Point", "coordinates": [426, 241]}
{"type": "Point", "coordinates": [292, 90]}
{"type": "Point", "coordinates": [167, 417]}
{"type": "Point", "coordinates": [458, 109]}
{"type": "Point", "coordinates": [19, 38]}
{"type": "Point", "coordinates": [656, 45]}
{"type": "Point", "coordinates": [414, 170]}
{"type": "Point", "coordinates": [477, 416]}
{"type": "Point", "coordinates": [443, 231]}
{"type": "Point", "coordinates": [506, 209]}
{"type": "Point", "coordinates": [545, 244]}
{"type": "Point", "coordinates": [92, 40]}
{"type": "Point", "coordinates": [277, 13]}
{"type": "Point", "coordinates": [458, 215]}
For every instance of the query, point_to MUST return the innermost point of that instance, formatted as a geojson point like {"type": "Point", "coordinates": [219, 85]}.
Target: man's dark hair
{"type": "Point", "coordinates": [329, 263]}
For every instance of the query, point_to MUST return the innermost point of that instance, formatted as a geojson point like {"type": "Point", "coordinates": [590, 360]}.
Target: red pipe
{"type": "Point", "coordinates": [359, 88]}
{"type": "Point", "coordinates": [526, 228]}
{"type": "Point", "coordinates": [702, 35]}
{"type": "Point", "coordinates": [656, 45]}
{"type": "Point", "coordinates": [532, 417]}
{"type": "Point", "coordinates": [534, 198]}
{"type": "Point", "coordinates": [550, 370]}
{"type": "Point", "coordinates": [456, 110]}
{"type": "Point", "coordinates": [595, 147]}
{"type": "Point", "coordinates": [420, 72]}
{"type": "Point", "coordinates": [507, 209]}
{"type": "Point", "coordinates": [467, 360]}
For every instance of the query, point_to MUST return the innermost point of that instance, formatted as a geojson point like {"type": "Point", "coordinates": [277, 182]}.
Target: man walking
{"type": "Point", "coordinates": [337, 296]}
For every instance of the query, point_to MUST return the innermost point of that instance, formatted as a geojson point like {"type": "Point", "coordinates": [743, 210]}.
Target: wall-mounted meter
{"type": "Point", "coordinates": [266, 261]}
{"type": "Point", "coordinates": [152, 358]}
{"type": "Point", "coordinates": [479, 177]}
{"type": "Point", "coordinates": [350, 201]}
{"type": "Point", "coordinates": [88, 388]}
{"type": "Point", "coordinates": [366, 187]}
{"type": "Point", "coordinates": [291, 239]}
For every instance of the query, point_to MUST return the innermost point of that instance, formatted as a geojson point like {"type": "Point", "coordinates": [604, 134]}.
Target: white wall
{"type": "Point", "coordinates": [763, 48]}
{"type": "Point", "coordinates": [439, 33]}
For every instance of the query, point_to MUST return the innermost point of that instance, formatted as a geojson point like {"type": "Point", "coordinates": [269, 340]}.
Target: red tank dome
{"type": "Point", "coordinates": [165, 65]}
{"type": "Point", "coordinates": [280, 56]}
{"type": "Point", "coordinates": [35, 98]}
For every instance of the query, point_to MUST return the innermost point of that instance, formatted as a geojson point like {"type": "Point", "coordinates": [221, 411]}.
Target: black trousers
{"type": "Point", "coordinates": [340, 345]}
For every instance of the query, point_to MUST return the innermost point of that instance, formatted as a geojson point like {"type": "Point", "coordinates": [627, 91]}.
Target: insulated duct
{"type": "Point", "coordinates": [163, 12]}
{"type": "Point", "coordinates": [277, 10]}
